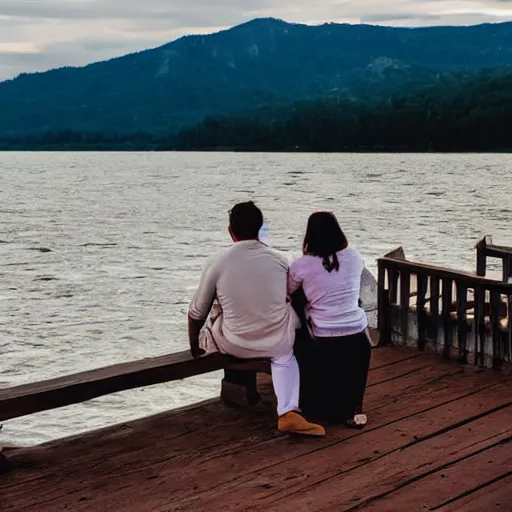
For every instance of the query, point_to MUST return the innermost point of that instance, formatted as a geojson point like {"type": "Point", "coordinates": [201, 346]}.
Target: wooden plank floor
{"type": "Point", "coordinates": [438, 438]}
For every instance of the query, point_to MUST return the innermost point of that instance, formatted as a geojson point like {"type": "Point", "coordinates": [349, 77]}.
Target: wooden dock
{"type": "Point", "coordinates": [439, 435]}
{"type": "Point", "coordinates": [439, 438]}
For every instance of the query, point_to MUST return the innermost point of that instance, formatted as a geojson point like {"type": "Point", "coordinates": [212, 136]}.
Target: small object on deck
{"type": "Point", "coordinates": [358, 421]}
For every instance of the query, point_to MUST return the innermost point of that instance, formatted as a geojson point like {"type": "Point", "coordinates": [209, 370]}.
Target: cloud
{"type": "Point", "coordinates": [18, 48]}
{"type": "Point", "coordinates": [388, 18]}
{"type": "Point", "coordinates": [36, 35]}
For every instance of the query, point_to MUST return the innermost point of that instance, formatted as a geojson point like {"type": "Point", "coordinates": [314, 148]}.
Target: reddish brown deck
{"type": "Point", "coordinates": [438, 439]}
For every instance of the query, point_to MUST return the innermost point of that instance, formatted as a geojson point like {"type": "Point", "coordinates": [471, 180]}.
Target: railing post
{"type": "Point", "coordinates": [481, 257]}
{"type": "Point", "coordinates": [462, 324]}
{"type": "Point", "coordinates": [434, 308]}
{"type": "Point", "coordinates": [5, 464]}
{"type": "Point", "coordinates": [405, 295]}
{"type": "Point", "coordinates": [509, 320]}
{"type": "Point", "coordinates": [422, 281]}
{"type": "Point", "coordinates": [479, 326]}
{"type": "Point", "coordinates": [240, 388]}
{"type": "Point", "coordinates": [383, 306]}
{"type": "Point", "coordinates": [393, 285]}
{"type": "Point", "coordinates": [507, 268]}
{"type": "Point", "coordinates": [447, 321]}
{"type": "Point", "coordinates": [495, 328]}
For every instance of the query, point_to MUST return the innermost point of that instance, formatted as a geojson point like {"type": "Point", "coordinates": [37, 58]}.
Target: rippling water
{"type": "Point", "coordinates": [100, 252]}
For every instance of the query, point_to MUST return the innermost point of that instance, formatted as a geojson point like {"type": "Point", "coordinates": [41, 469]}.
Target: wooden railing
{"type": "Point", "coordinates": [452, 312]}
{"type": "Point", "coordinates": [486, 249]}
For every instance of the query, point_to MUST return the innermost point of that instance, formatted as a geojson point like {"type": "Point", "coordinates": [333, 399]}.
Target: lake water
{"type": "Point", "coordinates": [101, 252]}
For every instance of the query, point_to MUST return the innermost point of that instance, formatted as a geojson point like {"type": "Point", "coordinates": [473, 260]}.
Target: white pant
{"type": "Point", "coordinates": [285, 369]}
{"type": "Point", "coordinates": [286, 381]}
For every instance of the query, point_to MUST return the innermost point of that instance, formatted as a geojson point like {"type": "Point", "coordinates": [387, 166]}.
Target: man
{"type": "Point", "coordinates": [256, 318]}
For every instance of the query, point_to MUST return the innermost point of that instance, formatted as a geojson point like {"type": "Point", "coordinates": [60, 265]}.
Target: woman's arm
{"type": "Point", "coordinates": [295, 279]}
{"type": "Point", "coordinates": [293, 285]}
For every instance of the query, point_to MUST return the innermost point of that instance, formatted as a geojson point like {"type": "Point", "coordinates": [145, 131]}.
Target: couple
{"type": "Point", "coordinates": [256, 302]}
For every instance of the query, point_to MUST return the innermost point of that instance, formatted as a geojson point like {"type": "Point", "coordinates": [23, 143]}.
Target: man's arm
{"type": "Point", "coordinates": [194, 328]}
{"type": "Point", "coordinates": [200, 307]}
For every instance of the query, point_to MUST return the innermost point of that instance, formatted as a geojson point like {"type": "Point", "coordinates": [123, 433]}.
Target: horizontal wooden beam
{"type": "Point", "coordinates": [492, 250]}
{"type": "Point", "coordinates": [446, 273]}
{"type": "Point", "coordinates": [71, 389]}
{"type": "Point", "coordinates": [497, 251]}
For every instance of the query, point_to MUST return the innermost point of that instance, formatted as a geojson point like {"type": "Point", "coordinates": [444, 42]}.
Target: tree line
{"type": "Point", "coordinates": [472, 116]}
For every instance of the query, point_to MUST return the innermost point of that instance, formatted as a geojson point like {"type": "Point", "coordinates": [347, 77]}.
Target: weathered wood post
{"type": "Point", "coordinates": [497, 347]}
{"type": "Point", "coordinates": [5, 464]}
{"type": "Point", "coordinates": [484, 249]}
{"type": "Point", "coordinates": [393, 274]}
{"type": "Point", "coordinates": [421, 312]}
{"type": "Point", "coordinates": [507, 269]}
{"type": "Point", "coordinates": [383, 306]}
{"type": "Point", "coordinates": [481, 257]}
{"type": "Point", "coordinates": [405, 297]}
{"type": "Point", "coordinates": [240, 388]}
{"type": "Point", "coordinates": [434, 308]}
{"type": "Point", "coordinates": [462, 322]}
{"type": "Point", "coordinates": [479, 325]}
{"type": "Point", "coordinates": [447, 299]}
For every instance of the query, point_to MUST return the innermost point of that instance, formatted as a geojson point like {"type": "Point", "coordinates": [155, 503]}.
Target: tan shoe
{"type": "Point", "coordinates": [294, 423]}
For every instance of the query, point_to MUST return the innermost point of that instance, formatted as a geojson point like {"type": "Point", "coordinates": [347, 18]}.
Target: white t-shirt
{"type": "Point", "coordinates": [332, 296]}
{"type": "Point", "coordinates": [249, 281]}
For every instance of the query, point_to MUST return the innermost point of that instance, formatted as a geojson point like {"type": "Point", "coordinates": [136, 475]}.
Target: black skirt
{"type": "Point", "coordinates": [333, 374]}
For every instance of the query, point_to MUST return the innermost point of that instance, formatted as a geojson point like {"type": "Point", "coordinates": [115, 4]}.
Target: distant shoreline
{"type": "Point", "coordinates": [119, 149]}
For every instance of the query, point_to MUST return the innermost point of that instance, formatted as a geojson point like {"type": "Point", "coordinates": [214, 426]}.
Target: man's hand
{"type": "Point", "coordinates": [196, 352]}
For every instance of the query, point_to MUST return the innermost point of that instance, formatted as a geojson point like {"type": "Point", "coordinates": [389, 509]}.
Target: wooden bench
{"type": "Point", "coordinates": [238, 385]}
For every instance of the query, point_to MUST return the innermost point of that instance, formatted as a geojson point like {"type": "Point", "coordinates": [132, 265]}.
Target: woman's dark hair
{"type": "Point", "coordinates": [245, 220]}
{"type": "Point", "coordinates": [324, 238]}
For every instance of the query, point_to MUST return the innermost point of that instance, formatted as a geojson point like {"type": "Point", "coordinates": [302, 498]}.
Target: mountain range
{"type": "Point", "coordinates": [264, 62]}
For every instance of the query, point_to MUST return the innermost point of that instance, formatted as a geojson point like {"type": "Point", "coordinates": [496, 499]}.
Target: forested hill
{"type": "Point", "coordinates": [262, 62]}
{"type": "Point", "coordinates": [475, 115]}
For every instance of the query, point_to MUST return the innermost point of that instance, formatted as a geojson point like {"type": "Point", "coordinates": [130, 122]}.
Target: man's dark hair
{"type": "Point", "coordinates": [245, 220]}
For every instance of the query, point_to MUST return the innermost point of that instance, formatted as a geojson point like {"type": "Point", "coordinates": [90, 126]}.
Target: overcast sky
{"type": "Point", "coordinates": [37, 35]}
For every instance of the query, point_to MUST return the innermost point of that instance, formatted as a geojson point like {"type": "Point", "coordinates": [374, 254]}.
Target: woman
{"type": "Point", "coordinates": [334, 350]}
